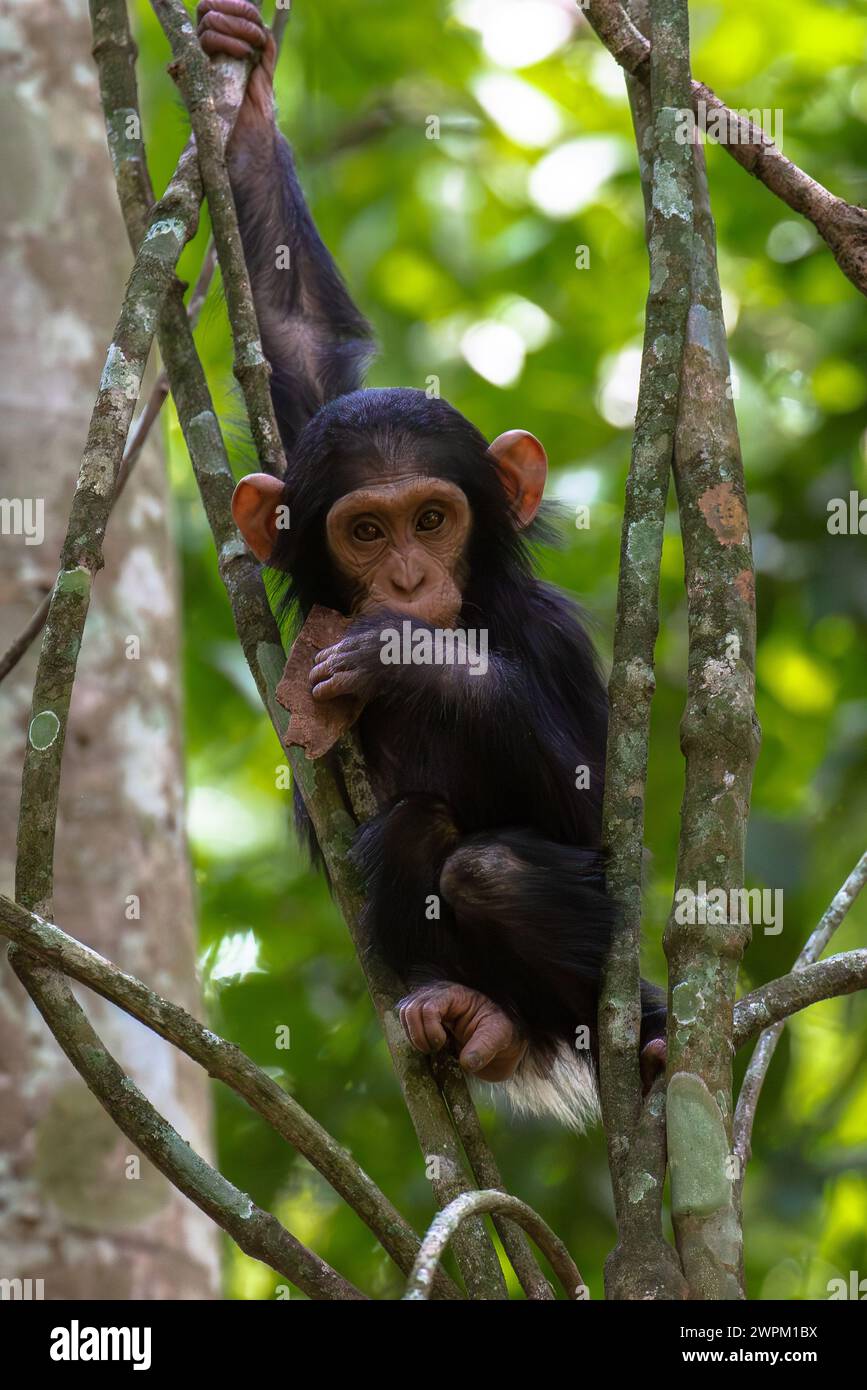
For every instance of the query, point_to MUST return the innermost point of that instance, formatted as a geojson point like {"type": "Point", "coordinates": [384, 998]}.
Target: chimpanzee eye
{"type": "Point", "coordinates": [430, 520]}
{"type": "Point", "coordinates": [366, 531]}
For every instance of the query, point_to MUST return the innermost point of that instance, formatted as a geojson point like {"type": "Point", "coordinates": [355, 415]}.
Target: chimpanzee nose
{"type": "Point", "coordinates": [407, 576]}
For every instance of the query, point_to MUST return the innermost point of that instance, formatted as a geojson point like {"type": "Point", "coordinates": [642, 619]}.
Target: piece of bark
{"type": "Point", "coordinates": [315, 725]}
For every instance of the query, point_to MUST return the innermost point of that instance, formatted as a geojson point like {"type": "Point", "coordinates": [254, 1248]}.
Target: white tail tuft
{"type": "Point", "coordinates": [564, 1087]}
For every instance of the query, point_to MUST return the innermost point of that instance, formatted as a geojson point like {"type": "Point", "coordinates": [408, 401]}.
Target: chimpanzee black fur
{"type": "Point", "coordinates": [477, 773]}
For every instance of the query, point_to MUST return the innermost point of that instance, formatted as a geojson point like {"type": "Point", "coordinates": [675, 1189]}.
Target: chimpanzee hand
{"type": "Point", "coordinates": [234, 29]}
{"type": "Point", "coordinates": [352, 666]}
{"type": "Point", "coordinates": [490, 1043]}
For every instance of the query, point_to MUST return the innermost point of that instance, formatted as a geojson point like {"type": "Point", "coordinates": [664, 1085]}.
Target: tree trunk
{"type": "Point", "coordinates": [77, 1209]}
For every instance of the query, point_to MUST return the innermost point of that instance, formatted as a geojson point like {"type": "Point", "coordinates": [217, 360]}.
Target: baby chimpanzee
{"type": "Point", "coordinates": [482, 713]}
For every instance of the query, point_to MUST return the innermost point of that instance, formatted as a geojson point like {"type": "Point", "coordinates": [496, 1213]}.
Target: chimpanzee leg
{"type": "Point", "coordinates": [400, 854]}
{"type": "Point", "coordinates": [542, 915]}
{"type": "Point", "coordinates": [520, 919]}
{"type": "Point", "coordinates": [539, 915]}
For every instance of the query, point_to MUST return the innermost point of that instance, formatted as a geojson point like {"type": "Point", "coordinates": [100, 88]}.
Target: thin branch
{"type": "Point", "coordinates": [842, 225]}
{"type": "Point", "coordinates": [453, 1084]}
{"type": "Point", "coordinates": [779, 999]}
{"type": "Point", "coordinates": [624, 41]}
{"type": "Point", "coordinates": [446, 1224]}
{"type": "Point", "coordinates": [25, 638]}
{"type": "Point", "coordinates": [669, 240]}
{"type": "Point", "coordinates": [833, 915]}
{"type": "Point", "coordinates": [760, 1061]}
{"type": "Point", "coordinates": [191, 70]}
{"type": "Point", "coordinates": [719, 739]}
{"type": "Point", "coordinates": [282, 16]}
{"type": "Point", "coordinates": [203, 284]}
{"type": "Point", "coordinates": [173, 221]}
{"type": "Point", "coordinates": [227, 1063]}
{"type": "Point", "coordinates": [256, 1231]}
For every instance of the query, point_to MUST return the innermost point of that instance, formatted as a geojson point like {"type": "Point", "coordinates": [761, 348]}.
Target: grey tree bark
{"type": "Point", "coordinates": [78, 1209]}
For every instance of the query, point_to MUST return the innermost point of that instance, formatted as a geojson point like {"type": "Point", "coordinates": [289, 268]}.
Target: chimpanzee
{"type": "Point", "coordinates": [485, 883]}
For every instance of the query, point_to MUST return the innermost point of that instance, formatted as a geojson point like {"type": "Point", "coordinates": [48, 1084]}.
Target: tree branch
{"type": "Point", "coordinates": [191, 70]}
{"type": "Point", "coordinates": [174, 219]}
{"type": "Point", "coordinates": [227, 1063]}
{"type": "Point", "coordinates": [257, 1232]}
{"type": "Point", "coordinates": [448, 1223]}
{"type": "Point", "coordinates": [453, 1085]}
{"type": "Point", "coordinates": [779, 999]}
{"type": "Point", "coordinates": [25, 638]}
{"type": "Point", "coordinates": [760, 1061]}
{"type": "Point", "coordinates": [719, 737]}
{"type": "Point", "coordinates": [669, 215]}
{"type": "Point", "coordinates": [842, 225]}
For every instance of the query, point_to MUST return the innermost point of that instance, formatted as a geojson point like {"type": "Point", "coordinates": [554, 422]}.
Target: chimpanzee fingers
{"type": "Point", "coordinates": [232, 27]}
{"type": "Point", "coordinates": [422, 1026]}
{"type": "Point", "coordinates": [410, 1018]}
{"type": "Point", "coordinates": [493, 1047]}
{"type": "Point", "coordinates": [408, 1023]}
{"type": "Point", "coordinates": [341, 683]}
{"type": "Point", "coordinates": [340, 660]}
{"type": "Point", "coordinates": [477, 1055]}
{"type": "Point", "coordinates": [222, 44]}
{"type": "Point", "coordinates": [339, 651]}
{"type": "Point", "coordinates": [327, 663]}
{"type": "Point", "coordinates": [431, 1021]}
{"type": "Point", "coordinates": [319, 673]}
{"type": "Point", "coordinates": [241, 9]}
{"type": "Point", "coordinates": [414, 998]}
{"type": "Point", "coordinates": [325, 666]}
{"type": "Point", "coordinates": [328, 654]}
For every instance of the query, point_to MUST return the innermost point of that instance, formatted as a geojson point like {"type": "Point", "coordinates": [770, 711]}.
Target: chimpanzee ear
{"type": "Point", "coordinates": [254, 508]}
{"type": "Point", "coordinates": [523, 467]}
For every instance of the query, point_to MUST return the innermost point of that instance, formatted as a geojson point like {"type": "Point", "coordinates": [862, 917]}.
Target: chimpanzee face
{"type": "Point", "coordinates": [397, 540]}
{"type": "Point", "coordinates": [399, 545]}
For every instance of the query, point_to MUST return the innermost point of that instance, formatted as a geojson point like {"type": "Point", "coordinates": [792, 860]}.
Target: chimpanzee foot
{"type": "Point", "coordinates": [489, 1043]}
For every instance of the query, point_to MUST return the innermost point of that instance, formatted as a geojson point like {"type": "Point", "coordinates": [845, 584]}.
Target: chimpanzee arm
{"type": "Point", "coordinates": [375, 661]}
{"type": "Point", "coordinates": [388, 656]}
{"type": "Point", "coordinates": [315, 339]}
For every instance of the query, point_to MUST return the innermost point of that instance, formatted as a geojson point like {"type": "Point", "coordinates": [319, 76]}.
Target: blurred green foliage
{"type": "Point", "coordinates": [463, 250]}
